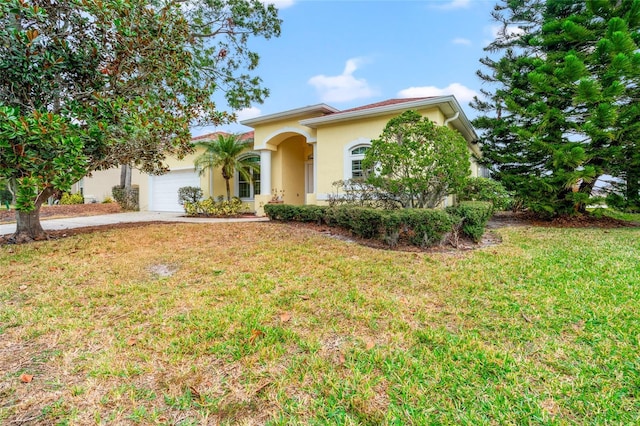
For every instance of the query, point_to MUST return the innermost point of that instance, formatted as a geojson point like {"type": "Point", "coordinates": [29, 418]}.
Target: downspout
{"type": "Point", "coordinates": [447, 121]}
{"type": "Point", "coordinates": [450, 119]}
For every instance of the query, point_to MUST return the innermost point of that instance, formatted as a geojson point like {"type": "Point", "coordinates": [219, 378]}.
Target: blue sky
{"type": "Point", "coordinates": [347, 53]}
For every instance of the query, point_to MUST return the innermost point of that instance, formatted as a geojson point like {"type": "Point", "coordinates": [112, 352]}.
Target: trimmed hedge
{"type": "Point", "coordinates": [362, 221]}
{"type": "Point", "coordinates": [421, 227]}
{"type": "Point", "coordinates": [310, 213]}
{"type": "Point", "coordinates": [288, 212]}
{"type": "Point", "coordinates": [429, 226]}
{"type": "Point", "coordinates": [475, 215]}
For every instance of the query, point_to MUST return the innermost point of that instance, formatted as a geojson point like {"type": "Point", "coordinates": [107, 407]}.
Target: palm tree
{"type": "Point", "coordinates": [226, 153]}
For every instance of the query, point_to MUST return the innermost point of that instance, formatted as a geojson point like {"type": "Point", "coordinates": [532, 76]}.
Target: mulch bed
{"type": "Point", "coordinates": [501, 219]}
{"type": "Point", "coordinates": [70, 210]}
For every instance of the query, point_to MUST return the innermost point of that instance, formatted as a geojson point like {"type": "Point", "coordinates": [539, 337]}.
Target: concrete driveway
{"type": "Point", "coordinates": [129, 217]}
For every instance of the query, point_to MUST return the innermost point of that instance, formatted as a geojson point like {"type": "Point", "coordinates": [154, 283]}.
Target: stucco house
{"type": "Point", "coordinates": [301, 153]}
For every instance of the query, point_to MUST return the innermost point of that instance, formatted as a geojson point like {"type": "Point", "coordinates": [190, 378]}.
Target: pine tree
{"type": "Point", "coordinates": [558, 115]}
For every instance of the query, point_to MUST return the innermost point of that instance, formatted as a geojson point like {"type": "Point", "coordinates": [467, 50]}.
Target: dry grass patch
{"type": "Point", "coordinates": [263, 323]}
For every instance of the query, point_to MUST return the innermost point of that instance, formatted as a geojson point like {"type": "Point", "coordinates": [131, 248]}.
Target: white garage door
{"type": "Point", "coordinates": [164, 189]}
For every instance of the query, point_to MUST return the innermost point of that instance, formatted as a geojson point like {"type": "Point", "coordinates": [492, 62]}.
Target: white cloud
{"type": "Point", "coordinates": [462, 93]}
{"type": "Point", "coordinates": [496, 30]}
{"type": "Point", "coordinates": [280, 4]}
{"type": "Point", "coordinates": [510, 30]}
{"type": "Point", "coordinates": [493, 31]}
{"type": "Point", "coordinates": [247, 113]}
{"type": "Point", "coordinates": [453, 4]}
{"type": "Point", "coordinates": [344, 87]}
{"type": "Point", "coordinates": [460, 40]}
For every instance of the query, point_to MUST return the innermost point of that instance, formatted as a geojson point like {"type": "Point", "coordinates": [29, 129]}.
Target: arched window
{"type": "Point", "coordinates": [353, 155]}
{"type": "Point", "coordinates": [248, 189]}
{"type": "Point", "coordinates": [356, 155]}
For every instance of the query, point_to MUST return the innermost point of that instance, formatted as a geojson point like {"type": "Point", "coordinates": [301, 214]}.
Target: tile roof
{"type": "Point", "coordinates": [384, 103]}
{"type": "Point", "coordinates": [211, 136]}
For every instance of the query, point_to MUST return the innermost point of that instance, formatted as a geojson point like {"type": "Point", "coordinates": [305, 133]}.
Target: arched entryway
{"type": "Point", "coordinates": [287, 157]}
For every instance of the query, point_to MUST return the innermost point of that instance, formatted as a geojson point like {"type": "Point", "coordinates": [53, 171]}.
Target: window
{"type": "Point", "coordinates": [248, 189]}
{"type": "Point", "coordinates": [353, 154]}
{"type": "Point", "coordinates": [356, 156]}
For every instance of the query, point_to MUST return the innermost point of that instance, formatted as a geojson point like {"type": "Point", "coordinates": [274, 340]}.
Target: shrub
{"type": "Point", "coordinates": [362, 221]}
{"type": "Point", "coordinates": [283, 212]}
{"type": "Point", "coordinates": [310, 213]}
{"type": "Point", "coordinates": [391, 227]}
{"type": "Point", "coordinates": [213, 208]}
{"type": "Point", "coordinates": [128, 198]}
{"type": "Point", "coordinates": [485, 189]}
{"type": "Point", "coordinates": [427, 226]}
{"type": "Point", "coordinates": [107, 200]}
{"type": "Point", "coordinates": [71, 199]}
{"type": "Point", "coordinates": [475, 215]}
{"type": "Point", "coordinates": [189, 194]}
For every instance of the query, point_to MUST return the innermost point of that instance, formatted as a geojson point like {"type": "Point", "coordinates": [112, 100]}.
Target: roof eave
{"type": "Point", "coordinates": [465, 126]}
{"type": "Point", "coordinates": [372, 112]}
{"type": "Point", "coordinates": [317, 108]}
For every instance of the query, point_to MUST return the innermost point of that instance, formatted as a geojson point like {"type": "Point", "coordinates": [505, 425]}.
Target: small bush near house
{"type": "Point", "coordinates": [310, 213]}
{"type": "Point", "coordinates": [128, 198]}
{"type": "Point", "coordinates": [107, 200]}
{"type": "Point", "coordinates": [189, 194]}
{"type": "Point", "coordinates": [428, 226]}
{"type": "Point", "coordinates": [71, 199]}
{"type": "Point", "coordinates": [287, 213]}
{"type": "Point", "coordinates": [282, 212]}
{"type": "Point", "coordinates": [475, 215]}
{"type": "Point", "coordinates": [485, 189]}
{"type": "Point", "coordinates": [362, 221]}
{"type": "Point", "coordinates": [213, 208]}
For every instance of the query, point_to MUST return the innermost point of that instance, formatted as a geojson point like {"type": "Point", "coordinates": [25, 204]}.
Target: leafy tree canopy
{"type": "Point", "coordinates": [417, 161]}
{"type": "Point", "coordinates": [559, 110]}
{"type": "Point", "coordinates": [90, 84]}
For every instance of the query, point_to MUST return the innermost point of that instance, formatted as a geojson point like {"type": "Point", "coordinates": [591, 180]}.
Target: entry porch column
{"type": "Point", "coordinates": [265, 172]}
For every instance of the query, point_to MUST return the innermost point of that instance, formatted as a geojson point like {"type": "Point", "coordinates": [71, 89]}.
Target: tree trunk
{"type": "Point", "coordinates": [228, 189]}
{"type": "Point", "coordinates": [587, 188]}
{"type": "Point", "coordinates": [125, 176]}
{"type": "Point", "coordinates": [28, 227]}
{"type": "Point", "coordinates": [12, 190]}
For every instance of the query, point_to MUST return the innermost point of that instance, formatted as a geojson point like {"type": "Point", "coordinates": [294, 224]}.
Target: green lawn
{"type": "Point", "coordinates": [630, 217]}
{"type": "Point", "coordinates": [262, 323]}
